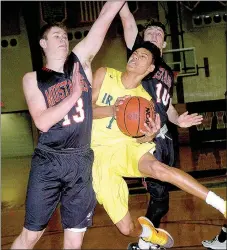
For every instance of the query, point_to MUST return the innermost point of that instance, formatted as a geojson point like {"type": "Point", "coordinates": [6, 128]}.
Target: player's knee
{"type": "Point", "coordinates": [125, 230]}
{"type": "Point", "coordinates": [73, 238]}
{"type": "Point", "coordinates": [159, 171]}
{"type": "Point", "coordinates": [29, 238]}
{"type": "Point", "coordinates": [72, 244]}
{"type": "Point", "coordinates": [123, 227]}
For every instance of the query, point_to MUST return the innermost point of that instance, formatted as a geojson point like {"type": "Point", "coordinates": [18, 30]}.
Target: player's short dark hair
{"type": "Point", "coordinates": [155, 51]}
{"type": "Point", "coordinates": [154, 23]}
{"type": "Point", "coordinates": [46, 28]}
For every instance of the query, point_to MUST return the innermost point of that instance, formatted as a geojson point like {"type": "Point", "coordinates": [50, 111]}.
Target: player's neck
{"type": "Point", "coordinates": [130, 81]}
{"type": "Point", "coordinates": [56, 65]}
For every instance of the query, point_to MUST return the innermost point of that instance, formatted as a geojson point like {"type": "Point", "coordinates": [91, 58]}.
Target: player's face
{"type": "Point", "coordinates": [56, 44]}
{"type": "Point", "coordinates": [154, 35]}
{"type": "Point", "coordinates": [140, 61]}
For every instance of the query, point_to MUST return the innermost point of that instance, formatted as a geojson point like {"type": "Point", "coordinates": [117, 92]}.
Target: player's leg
{"type": "Point", "coordinates": [78, 198]}
{"type": "Point", "coordinates": [143, 227]}
{"type": "Point", "coordinates": [27, 239]}
{"type": "Point", "coordinates": [42, 198]}
{"type": "Point", "coordinates": [219, 241]}
{"type": "Point", "coordinates": [159, 201]}
{"type": "Point", "coordinates": [73, 238]}
{"type": "Point", "coordinates": [129, 227]}
{"type": "Point", "coordinates": [112, 191]}
{"type": "Point", "coordinates": [159, 191]}
{"type": "Point", "coordinates": [149, 166]}
{"type": "Point", "coordinates": [128, 167]}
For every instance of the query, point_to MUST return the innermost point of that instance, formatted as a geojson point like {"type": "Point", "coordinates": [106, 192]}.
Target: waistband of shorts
{"type": "Point", "coordinates": [80, 150]}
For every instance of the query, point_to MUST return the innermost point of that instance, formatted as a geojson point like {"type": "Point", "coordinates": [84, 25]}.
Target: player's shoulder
{"type": "Point", "coordinates": [29, 77]}
{"type": "Point", "coordinates": [101, 71]}
{"type": "Point", "coordinates": [114, 74]}
{"type": "Point", "coordinates": [165, 67]}
{"type": "Point", "coordinates": [112, 70]}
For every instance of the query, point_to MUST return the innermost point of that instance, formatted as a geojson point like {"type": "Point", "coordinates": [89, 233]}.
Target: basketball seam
{"type": "Point", "coordinates": [124, 117]}
{"type": "Point", "coordinates": [139, 118]}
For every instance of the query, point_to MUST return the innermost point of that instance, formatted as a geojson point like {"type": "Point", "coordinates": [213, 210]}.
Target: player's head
{"type": "Point", "coordinates": [144, 59]}
{"type": "Point", "coordinates": [54, 40]}
{"type": "Point", "coordinates": [155, 32]}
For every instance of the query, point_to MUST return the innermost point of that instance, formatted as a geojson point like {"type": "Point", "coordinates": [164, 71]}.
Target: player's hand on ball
{"type": "Point", "coordinates": [118, 102]}
{"type": "Point", "coordinates": [152, 129]}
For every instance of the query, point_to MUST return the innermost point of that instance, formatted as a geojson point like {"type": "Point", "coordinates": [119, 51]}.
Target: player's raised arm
{"type": "Point", "coordinates": [129, 26]}
{"type": "Point", "coordinates": [90, 45]}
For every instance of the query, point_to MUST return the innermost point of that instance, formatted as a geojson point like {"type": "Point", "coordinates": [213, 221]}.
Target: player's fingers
{"type": "Point", "coordinates": [193, 115]}
{"type": "Point", "coordinates": [197, 123]}
{"type": "Point", "coordinates": [75, 68]}
{"type": "Point", "coordinates": [157, 122]}
{"type": "Point", "coordinates": [196, 114]}
{"type": "Point", "coordinates": [185, 113]}
{"type": "Point", "coordinates": [120, 100]}
{"type": "Point", "coordinates": [195, 119]}
{"type": "Point", "coordinates": [76, 74]}
{"type": "Point", "coordinates": [147, 127]}
{"type": "Point", "coordinates": [143, 132]}
{"type": "Point", "coordinates": [126, 96]}
{"type": "Point", "coordinates": [152, 123]}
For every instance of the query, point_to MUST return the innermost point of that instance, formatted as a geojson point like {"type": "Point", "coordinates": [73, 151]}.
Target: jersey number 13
{"type": "Point", "coordinates": [78, 117]}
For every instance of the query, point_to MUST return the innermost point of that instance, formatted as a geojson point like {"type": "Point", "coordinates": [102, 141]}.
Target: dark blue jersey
{"type": "Point", "coordinates": [74, 130]}
{"type": "Point", "coordinates": [159, 84]}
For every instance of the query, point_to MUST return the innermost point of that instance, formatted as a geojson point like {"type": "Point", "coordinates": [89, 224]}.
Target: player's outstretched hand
{"type": "Point", "coordinates": [152, 129]}
{"type": "Point", "coordinates": [185, 120]}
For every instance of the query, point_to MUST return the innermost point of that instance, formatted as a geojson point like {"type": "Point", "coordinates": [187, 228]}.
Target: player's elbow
{"type": "Point", "coordinates": [95, 112]}
{"type": "Point", "coordinates": [41, 125]}
{"type": "Point", "coordinates": [128, 20]}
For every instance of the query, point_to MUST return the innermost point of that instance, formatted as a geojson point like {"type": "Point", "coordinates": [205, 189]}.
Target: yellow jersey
{"type": "Point", "coordinates": [105, 130]}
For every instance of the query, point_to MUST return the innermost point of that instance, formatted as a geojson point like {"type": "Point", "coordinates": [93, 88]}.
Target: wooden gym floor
{"type": "Point", "coordinates": [189, 219]}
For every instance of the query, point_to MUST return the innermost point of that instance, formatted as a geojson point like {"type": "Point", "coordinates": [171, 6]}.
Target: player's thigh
{"type": "Point", "coordinates": [149, 166]}
{"type": "Point", "coordinates": [113, 195]}
{"type": "Point", "coordinates": [164, 151]}
{"type": "Point", "coordinates": [128, 158]}
{"type": "Point", "coordinates": [78, 199]}
{"type": "Point", "coordinates": [43, 191]}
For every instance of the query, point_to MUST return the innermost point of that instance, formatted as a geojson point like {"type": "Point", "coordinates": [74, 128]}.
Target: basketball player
{"type": "Point", "coordinates": [118, 156]}
{"type": "Point", "coordinates": [59, 100]}
{"type": "Point", "coordinates": [159, 85]}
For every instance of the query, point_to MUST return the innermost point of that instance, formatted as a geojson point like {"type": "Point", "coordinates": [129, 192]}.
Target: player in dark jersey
{"type": "Point", "coordinates": [159, 85]}
{"type": "Point", "coordinates": [59, 99]}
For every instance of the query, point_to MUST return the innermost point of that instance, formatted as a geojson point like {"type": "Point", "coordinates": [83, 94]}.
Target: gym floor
{"type": "Point", "coordinates": [189, 219]}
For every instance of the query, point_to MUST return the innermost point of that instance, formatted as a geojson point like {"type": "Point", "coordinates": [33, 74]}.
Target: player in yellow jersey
{"type": "Point", "coordinates": [118, 156]}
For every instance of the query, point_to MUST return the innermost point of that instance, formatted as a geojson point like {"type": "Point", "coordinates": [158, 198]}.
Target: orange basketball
{"type": "Point", "coordinates": [132, 115]}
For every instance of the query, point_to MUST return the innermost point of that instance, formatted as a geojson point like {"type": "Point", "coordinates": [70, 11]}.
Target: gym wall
{"type": "Point", "coordinates": [17, 136]}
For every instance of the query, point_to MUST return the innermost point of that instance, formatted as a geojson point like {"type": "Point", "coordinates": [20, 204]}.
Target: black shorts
{"type": "Point", "coordinates": [60, 176]}
{"type": "Point", "coordinates": [164, 153]}
{"type": "Point", "coordinates": [164, 150]}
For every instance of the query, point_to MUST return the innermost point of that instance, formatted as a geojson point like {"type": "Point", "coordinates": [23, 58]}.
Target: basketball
{"type": "Point", "coordinates": [133, 113]}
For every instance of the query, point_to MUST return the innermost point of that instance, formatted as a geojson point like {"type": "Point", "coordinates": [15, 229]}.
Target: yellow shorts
{"type": "Point", "coordinates": [111, 164]}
